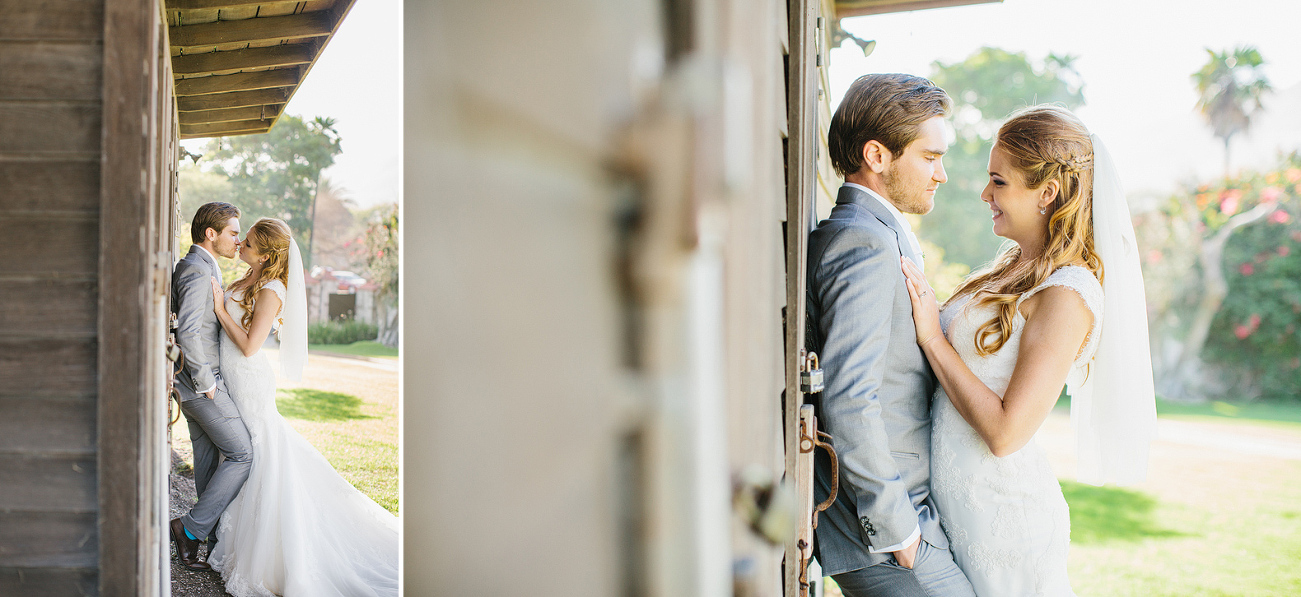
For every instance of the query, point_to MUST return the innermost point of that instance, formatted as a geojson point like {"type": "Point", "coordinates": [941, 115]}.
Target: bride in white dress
{"type": "Point", "coordinates": [1063, 305]}
{"type": "Point", "coordinates": [297, 528]}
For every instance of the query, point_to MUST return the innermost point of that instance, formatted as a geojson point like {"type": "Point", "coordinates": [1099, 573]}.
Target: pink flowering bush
{"type": "Point", "coordinates": [1256, 329]}
{"type": "Point", "coordinates": [1252, 344]}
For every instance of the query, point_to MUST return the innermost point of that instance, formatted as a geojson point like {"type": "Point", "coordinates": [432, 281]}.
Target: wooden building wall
{"type": "Point", "coordinates": [85, 196]}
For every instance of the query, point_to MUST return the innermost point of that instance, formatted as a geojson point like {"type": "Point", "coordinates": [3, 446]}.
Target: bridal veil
{"type": "Point", "coordinates": [1114, 410]}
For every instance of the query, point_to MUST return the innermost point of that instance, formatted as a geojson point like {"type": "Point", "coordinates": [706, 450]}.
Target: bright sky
{"type": "Point", "coordinates": [1136, 58]}
{"type": "Point", "coordinates": [356, 82]}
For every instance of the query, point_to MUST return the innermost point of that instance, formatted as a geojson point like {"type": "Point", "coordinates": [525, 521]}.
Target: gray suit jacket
{"type": "Point", "coordinates": [876, 404]}
{"type": "Point", "coordinates": [198, 331]}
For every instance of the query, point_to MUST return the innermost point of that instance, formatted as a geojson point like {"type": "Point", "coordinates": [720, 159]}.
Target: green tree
{"type": "Point", "coordinates": [987, 87]}
{"type": "Point", "coordinates": [1230, 87]}
{"type": "Point", "coordinates": [197, 187]}
{"type": "Point", "coordinates": [276, 174]}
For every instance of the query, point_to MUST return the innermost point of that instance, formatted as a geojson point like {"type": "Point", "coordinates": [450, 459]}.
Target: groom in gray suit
{"type": "Point", "coordinates": [882, 535]}
{"type": "Point", "coordinates": [223, 452]}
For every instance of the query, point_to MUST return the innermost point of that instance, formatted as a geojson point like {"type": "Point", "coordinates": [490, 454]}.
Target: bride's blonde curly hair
{"type": "Point", "coordinates": [268, 237]}
{"type": "Point", "coordinates": [1044, 143]}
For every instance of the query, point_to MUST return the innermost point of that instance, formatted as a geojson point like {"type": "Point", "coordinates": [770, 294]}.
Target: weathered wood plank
{"type": "Point", "coordinates": [44, 367]}
{"type": "Point", "coordinates": [238, 13]}
{"type": "Point", "coordinates": [50, 247]}
{"type": "Point", "coordinates": [53, 70]}
{"type": "Point", "coordinates": [48, 484]}
{"type": "Point", "coordinates": [217, 129]}
{"type": "Point", "coordinates": [48, 424]}
{"type": "Point", "coordinates": [57, 307]}
{"type": "Point", "coordinates": [801, 105]}
{"type": "Point", "coordinates": [81, 20]}
{"type": "Point", "coordinates": [279, 9]}
{"type": "Point", "coordinates": [49, 127]}
{"type": "Point", "coordinates": [132, 540]}
{"type": "Point", "coordinates": [222, 62]}
{"type": "Point", "coordinates": [251, 30]}
{"type": "Point", "coordinates": [48, 582]}
{"type": "Point", "coordinates": [231, 114]}
{"type": "Point", "coordinates": [334, 5]}
{"type": "Point", "coordinates": [194, 17]}
{"type": "Point", "coordinates": [48, 539]}
{"type": "Point", "coordinates": [55, 186]}
{"type": "Point", "coordinates": [237, 99]}
{"type": "Point", "coordinates": [239, 82]}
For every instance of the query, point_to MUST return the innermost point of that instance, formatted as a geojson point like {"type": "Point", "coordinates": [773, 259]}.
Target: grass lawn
{"type": "Point", "coordinates": [1284, 415]}
{"type": "Point", "coordinates": [1238, 536]}
{"type": "Point", "coordinates": [352, 435]}
{"type": "Point", "coordinates": [348, 410]}
{"type": "Point", "coordinates": [364, 348]}
{"type": "Point", "coordinates": [1208, 521]}
{"type": "Point", "coordinates": [1219, 515]}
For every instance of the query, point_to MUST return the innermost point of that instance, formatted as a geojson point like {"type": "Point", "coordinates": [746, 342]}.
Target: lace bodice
{"type": "Point", "coordinates": [237, 311]}
{"type": "Point", "coordinates": [1006, 519]}
{"type": "Point", "coordinates": [996, 369]}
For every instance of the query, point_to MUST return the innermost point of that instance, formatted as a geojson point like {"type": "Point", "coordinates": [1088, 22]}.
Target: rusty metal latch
{"type": "Point", "coordinates": [808, 444]}
{"type": "Point", "coordinates": [177, 358]}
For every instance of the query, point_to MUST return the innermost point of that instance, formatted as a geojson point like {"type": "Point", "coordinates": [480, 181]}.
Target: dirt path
{"type": "Point", "coordinates": [374, 381]}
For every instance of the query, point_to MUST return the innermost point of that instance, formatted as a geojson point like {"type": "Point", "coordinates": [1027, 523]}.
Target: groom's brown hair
{"type": "Point", "coordinates": [211, 215]}
{"type": "Point", "coordinates": [888, 108]}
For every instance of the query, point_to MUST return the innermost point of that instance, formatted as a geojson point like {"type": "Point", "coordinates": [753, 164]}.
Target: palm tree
{"type": "Point", "coordinates": [1230, 87]}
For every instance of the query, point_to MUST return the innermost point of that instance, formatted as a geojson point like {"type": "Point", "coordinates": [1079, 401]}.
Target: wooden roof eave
{"type": "Point", "coordinates": [246, 70]}
{"type": "Point", "coordinates": [858, 8]}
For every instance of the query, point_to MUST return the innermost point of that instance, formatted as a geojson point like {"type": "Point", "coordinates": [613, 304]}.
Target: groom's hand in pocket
{"type": "Point", "coordinates": [907, 556]}
{"type": "Point", "coordinates": [212, 395]}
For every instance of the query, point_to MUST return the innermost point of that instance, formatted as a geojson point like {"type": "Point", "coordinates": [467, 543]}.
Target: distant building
{"type": "Point", "coordinates": [336, 295]}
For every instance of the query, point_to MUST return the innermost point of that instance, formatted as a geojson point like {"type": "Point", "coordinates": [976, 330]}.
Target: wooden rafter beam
{"type": "Point", "coordinates": [267, 79]}
{"type": "Point", "coordinates": [858, 8]}
{"type": "Point", "coordinates": [238, 99]}
{"type": "Point", "coordinates": [236, 60]}
{"type": "Point", "coordinates": [260, 29]}
{"type": "Point", "coordinates": [247, 87]}
{"type": "Point", "coordinates": [223, 134]}
{"type": "Point", "coordinates": [218, 4]}
{"type": "Point", "coordinates": [263, 112]}
{"type": "Point", "coordinates": [221, 128]}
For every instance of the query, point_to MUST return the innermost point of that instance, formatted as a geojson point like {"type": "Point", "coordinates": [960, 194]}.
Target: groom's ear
{"type": "Point", "coordinates": [875, 156]}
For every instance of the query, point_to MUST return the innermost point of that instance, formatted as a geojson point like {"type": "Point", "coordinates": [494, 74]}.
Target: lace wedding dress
{"type": "Point", "coordinates": [297, 528]}
{"type": "Point", "coordinates": [1006, 519]}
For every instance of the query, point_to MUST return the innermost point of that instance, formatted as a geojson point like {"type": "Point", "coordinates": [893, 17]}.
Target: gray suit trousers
{"type": "Point", "coordinates": [934, 574]}
{"type": "Point", "coordinates": [216, 429]}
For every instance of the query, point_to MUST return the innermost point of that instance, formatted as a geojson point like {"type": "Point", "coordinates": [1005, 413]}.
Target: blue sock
{"type": "Point", "coordinates": [190, 535]}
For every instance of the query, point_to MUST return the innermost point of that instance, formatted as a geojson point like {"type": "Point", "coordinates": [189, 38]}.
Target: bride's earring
{"type": "Point", "coordinates": [1043, 211]}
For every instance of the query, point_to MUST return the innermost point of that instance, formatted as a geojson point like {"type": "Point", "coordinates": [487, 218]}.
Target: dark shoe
{"type": "Point", "coordinates": [187, 549]}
